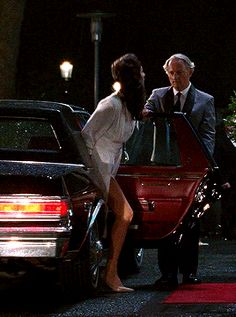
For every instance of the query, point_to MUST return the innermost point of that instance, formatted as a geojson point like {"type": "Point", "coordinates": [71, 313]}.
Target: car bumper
{"type": "Point", "coordinates": [31, 243]}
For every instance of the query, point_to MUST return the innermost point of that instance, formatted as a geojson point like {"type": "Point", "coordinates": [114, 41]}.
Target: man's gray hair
{"type": "Point", "coordinates": [183, 57]}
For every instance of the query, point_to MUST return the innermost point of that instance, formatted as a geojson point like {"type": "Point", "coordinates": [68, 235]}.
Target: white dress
{"type": "Point", "coordinates": [107, 129]}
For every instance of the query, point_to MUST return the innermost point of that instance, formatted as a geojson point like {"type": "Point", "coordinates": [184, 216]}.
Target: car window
{"type": "Point", "coordinates": [81, 118]}
{"type": "Point", "coordinates": [27, 134]}
{"type": "Point", "coordinates": [152, 143]}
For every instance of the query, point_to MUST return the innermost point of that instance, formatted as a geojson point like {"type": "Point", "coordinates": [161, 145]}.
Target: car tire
{"type": "Point", "coordinates": [130, 260]}
{"type": "Point", "coordinates": [90, 261]}
{"type": "Point", "coordinates": [81, 274]}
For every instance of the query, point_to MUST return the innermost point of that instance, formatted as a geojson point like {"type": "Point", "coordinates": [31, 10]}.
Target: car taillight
{"type": "Point", "coordinates": [27, 206]}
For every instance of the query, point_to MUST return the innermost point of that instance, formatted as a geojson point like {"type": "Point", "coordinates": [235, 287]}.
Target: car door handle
{"type": "Point", "coordinates": [148, 205]}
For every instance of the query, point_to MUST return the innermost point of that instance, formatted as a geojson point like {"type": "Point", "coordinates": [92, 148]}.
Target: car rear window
{"type": "Point", "coordinates": [152, 143]}
{"type": "Point", "coordinates": [27, 134]}
{"type": "Point", "coordinates": [37, 139]}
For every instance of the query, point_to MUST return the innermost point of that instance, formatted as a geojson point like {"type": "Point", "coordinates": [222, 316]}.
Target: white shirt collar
{"type": "Point", "coordinates": [183, 92]}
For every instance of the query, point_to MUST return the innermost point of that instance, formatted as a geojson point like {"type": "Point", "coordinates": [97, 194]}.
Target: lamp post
{"type": "Point", "coordinates": [96, 34]}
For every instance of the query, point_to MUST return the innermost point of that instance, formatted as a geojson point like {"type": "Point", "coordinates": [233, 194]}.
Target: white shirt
{"type": "Point", "coordinates": [182, 97]}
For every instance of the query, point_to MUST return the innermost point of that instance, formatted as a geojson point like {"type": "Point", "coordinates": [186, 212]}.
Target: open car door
{"type": "Point", "coordinates": [166, 175]}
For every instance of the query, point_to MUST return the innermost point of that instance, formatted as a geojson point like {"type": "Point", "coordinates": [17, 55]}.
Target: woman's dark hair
{"type": "Point", "coordinates": [127, 71]}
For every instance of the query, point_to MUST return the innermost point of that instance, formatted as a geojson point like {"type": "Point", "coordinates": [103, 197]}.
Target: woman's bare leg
{"type": "Point", "coordinates": [123, 216]}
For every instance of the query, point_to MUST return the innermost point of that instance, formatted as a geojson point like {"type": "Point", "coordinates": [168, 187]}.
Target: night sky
{"type": "Point", "coordinates": [153, 30]}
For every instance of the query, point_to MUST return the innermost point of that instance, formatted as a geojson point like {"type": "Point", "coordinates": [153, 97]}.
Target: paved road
{"type": "Point", "coordinates": [34, 297]}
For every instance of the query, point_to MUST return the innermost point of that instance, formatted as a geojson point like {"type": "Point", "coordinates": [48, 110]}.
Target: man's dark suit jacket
{"type": "Point", "coordinates": [199, 109]}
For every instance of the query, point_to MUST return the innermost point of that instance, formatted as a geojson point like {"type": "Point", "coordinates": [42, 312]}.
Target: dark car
{"type": "Point", "coordinates": [50, 198]}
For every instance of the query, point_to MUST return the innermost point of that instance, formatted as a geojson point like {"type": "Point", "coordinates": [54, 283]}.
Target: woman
{"type": "Point", "coordinates": [111, 124]}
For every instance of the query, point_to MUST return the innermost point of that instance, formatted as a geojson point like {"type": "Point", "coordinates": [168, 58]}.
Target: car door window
{"type": "Point", "coordinates": [153, 142]}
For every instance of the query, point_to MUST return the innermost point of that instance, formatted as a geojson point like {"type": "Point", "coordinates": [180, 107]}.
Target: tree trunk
{"type": "Point", "coordinates": [11, 15]}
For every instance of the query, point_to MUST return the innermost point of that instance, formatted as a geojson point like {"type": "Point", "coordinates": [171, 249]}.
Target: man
{"type": "Point", "coordinates": [181, 95]}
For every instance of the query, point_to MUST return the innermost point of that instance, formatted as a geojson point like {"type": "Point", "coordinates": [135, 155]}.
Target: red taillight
{"type": "Point", "coordinates": [29, 206]}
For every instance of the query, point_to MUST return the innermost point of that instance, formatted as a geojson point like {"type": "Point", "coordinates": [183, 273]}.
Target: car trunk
{"type": "Point", "coordinates": [35, 209]}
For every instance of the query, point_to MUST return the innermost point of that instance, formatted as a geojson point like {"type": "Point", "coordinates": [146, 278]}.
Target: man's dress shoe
{"type": "Point", "coordinates": [166, 284]}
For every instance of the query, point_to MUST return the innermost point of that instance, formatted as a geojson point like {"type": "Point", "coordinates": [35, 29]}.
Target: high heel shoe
{"type": "Point", "coordinates": [118, 289]}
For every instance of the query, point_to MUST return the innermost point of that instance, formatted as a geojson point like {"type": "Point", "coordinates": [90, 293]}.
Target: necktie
{"type": "Point", "coordinates": [177, 106]}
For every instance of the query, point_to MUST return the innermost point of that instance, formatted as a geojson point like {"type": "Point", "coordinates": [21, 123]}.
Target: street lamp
{"type": "Point", "coordinates": [96, 32]}
{"type": "Point", "coordinates": [66, 69]}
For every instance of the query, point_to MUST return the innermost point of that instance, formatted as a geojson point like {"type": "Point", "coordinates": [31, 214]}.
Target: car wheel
{"type": "Point", "coordinates": [130, 260]}
{"type": "Point", "coordinates": [90, 260]}
{"type": "Point", "coordinates": [81, 274]}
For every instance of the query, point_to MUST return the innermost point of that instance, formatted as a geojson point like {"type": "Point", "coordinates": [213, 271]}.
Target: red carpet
{"type": "Point", "coordinates": [204, 293]}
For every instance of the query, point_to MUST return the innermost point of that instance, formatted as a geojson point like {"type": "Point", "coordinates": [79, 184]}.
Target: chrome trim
{"type": "Point", "coordinates": [33, 230]}
{"type": "Point", "coordinates": [153, 175]}
{"type": "Point", "coordinates": [92, 217]}
{"type": "Point", "coordinates": [134, 227]}
{"type": "Point", "coordinates": [155, 184]}
{"type": "Point", "coordinates": [15, 248]}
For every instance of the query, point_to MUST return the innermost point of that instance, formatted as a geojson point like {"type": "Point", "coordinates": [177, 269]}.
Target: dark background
{"type": "Point", "coordinates": [153, 30]}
